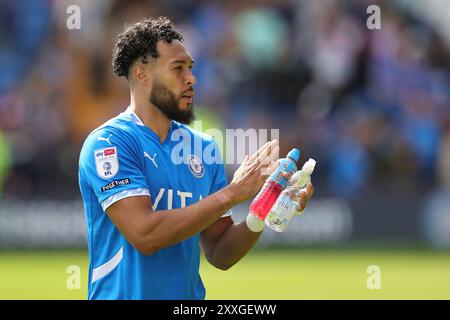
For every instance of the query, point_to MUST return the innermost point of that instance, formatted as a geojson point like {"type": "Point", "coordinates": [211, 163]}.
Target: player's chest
{"type": "Point", "coordinates": [175, 181]}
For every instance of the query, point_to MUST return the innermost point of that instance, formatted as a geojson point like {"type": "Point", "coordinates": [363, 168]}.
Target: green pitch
{"type": "Point", "coordinates": [288, 274]}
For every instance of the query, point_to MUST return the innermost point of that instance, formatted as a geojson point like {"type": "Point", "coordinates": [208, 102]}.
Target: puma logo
{"type": "Point", "coordinates": [152, 159]}
{"type": "Point", "coordinates": [105, 139]}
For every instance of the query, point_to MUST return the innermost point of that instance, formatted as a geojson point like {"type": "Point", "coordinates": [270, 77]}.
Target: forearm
{"type": "Point", "coordinates": [167, 227]}
{"type": "Point", "coordinates": [233, 244]}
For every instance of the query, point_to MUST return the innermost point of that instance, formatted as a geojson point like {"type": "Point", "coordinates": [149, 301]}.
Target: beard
{"type": "Point", "coordinates": [164, 99]}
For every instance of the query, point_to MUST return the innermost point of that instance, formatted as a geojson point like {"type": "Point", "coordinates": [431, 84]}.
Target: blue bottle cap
{"type": "Point", "coordinates": [294, 154]}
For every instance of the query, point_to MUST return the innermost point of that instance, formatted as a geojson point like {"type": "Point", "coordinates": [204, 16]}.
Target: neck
{"type": "Point", "coordinates": [151, 116]}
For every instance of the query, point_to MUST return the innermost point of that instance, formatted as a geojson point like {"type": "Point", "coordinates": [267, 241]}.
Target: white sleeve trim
{"type": "Point", "coordinates": [124, 194]}
{"type": "Point", "coordinates": [229, 213]}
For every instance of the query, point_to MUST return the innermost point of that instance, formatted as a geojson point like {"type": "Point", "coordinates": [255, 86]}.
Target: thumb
{"type": "Point", "coordinates": [287, 175]}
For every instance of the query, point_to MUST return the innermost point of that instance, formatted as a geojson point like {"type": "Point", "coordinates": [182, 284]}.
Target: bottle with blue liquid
{"type": "Point", "coordinates": [274, 185]}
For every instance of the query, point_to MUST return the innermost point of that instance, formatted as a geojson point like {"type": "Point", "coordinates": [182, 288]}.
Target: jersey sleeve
{"type": "Point", "coordinates": [219, 179]}
{"type": "Point", "coordinates": [112, 167]}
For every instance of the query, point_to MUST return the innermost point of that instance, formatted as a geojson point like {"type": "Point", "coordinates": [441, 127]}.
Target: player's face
{"type": "Point", "coordinates": [172, 88]}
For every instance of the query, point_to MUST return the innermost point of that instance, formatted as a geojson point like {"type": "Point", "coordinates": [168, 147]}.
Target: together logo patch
{"type": "Point", "coordinates": [115, 183]}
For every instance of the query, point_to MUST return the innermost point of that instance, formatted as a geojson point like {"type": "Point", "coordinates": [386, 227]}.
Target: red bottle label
{"type": "Point", "coordinates": [265, 199]}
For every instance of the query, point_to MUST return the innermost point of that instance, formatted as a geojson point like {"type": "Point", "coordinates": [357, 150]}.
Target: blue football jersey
{"type": "Point", "coordinates": [124, 158]}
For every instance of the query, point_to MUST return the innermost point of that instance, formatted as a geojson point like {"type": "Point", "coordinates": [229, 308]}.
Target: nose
{"type": "Point", "coordinates": [191, 79]}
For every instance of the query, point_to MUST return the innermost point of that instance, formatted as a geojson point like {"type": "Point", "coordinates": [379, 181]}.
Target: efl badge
{"type": "Point", "coordinates": [196, 166]}
{"type": "Point", "coordinates": [106, 162]}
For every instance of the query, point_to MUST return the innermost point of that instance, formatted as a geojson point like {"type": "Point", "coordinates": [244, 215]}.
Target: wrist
{"type": "Point", "coordinates": [227, 196]}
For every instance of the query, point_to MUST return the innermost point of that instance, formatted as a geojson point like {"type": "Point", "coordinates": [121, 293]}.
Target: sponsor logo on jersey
{"type": "Point", "coordinates": [106, 162]}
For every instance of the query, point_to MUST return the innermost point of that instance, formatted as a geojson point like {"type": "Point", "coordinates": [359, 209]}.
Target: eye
{"type": "Point", "coordinates": [178, 68]}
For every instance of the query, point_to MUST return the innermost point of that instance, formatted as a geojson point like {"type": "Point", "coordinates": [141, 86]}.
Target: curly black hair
{"type": "Point", "coordinates": [139, 40]}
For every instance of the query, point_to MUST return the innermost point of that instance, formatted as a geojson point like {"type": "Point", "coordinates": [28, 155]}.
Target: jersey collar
{"type": "Point", "coordinates": [133, 117]}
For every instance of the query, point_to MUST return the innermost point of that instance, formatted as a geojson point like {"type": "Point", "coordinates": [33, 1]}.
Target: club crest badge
{"type": "Point", "coordinates": [195, 166]}
{"type": "Point", "coordinates": [106, 162]}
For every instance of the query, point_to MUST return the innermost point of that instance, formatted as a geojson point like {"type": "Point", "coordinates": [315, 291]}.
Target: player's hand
{"type": "Point", "coordinates": [253, 172]}
{"type": "Point", "coordinates": [304, 197]}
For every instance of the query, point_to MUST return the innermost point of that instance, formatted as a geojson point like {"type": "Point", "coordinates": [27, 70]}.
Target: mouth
{"type": "Point", "coordinates": [189, 96]}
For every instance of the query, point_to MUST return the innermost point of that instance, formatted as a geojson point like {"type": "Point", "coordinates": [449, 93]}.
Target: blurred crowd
{"type": "Point", "coordinates": [371, 106]}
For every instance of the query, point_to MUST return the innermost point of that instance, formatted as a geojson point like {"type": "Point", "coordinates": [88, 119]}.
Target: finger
{"type": "Point", "coordinates": [270, 153]}
{"type": "Point", "coordinates": [272, 167]}
{"type": "Point", "coordinates": [265, 151]}
{"type": "Point", "coordinates": [275, 153]}
{"type": "Point", "coordinates": [309, 190]}
{"type": "Point", "coordinates": [268, 164]}
{"type": "Point", "coordinates": [245, 159]}
{"type": "Point", "coordinates": [255, 155]}
{"type": "Point", "coordinates": [274, 164]}
{"type": "Point", "coordinates": [287, 175]}
{"type": "Point", "coordinates": [269, 157]}
{"type": "Point", "coordinates": [302, 203]}
{"type": "Point", "coordinates": [267, 171]}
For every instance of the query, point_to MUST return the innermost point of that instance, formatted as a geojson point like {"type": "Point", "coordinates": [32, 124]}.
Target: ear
{"type": "Point", "coordinates": [140, 73]}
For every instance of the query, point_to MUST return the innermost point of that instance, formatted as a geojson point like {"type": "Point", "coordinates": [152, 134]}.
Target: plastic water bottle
{"type": "Point", "coordinates": [286, 205]}
{"type": "Point", "coordinates": [273, 186]}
